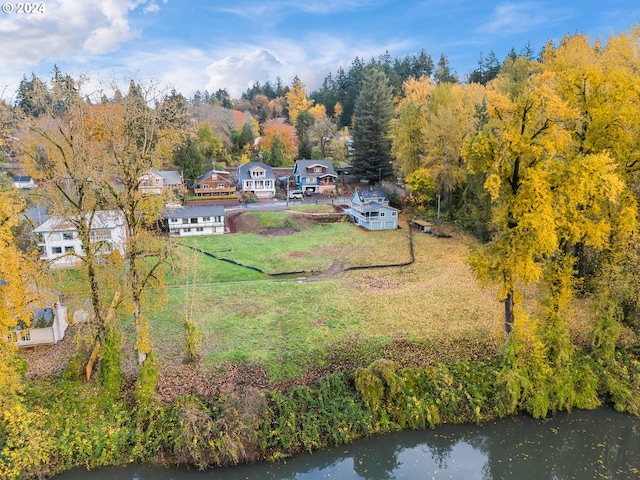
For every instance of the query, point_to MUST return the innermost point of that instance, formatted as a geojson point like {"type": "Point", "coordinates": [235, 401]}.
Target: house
{"type": "Point", "coordinates": [216, 183]}
{"type": "Point", "coordinates": [190, 221]}
{"type": "Point", "coordinates": [24, 182]}
{"type": "Point", "coordinates": [58, 238]}
{"type": "Point", "coordinates": [315, 176]}
{"type": "Point", "coordinates": [257, 178]}
{"type": "Point", "coordinates": [159, 181]}
{"type": "Point", "coordinates": [48, 326]}
{"type": "Point", "coordinates": [370, 209]}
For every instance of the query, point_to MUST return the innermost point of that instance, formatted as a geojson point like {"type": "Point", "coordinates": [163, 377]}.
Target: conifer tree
{"type": "Point", "coordinates": [371, 140]}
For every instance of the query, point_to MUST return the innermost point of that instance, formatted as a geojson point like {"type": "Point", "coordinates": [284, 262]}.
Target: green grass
{"type": "Point", "coordinates": [295, 325]}
{"type": "Point", "coordinates": [291, 326]}
{"type": "Point", "coordinates": [312, 249]}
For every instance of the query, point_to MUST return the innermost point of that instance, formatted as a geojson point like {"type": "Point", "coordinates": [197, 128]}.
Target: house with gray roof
{"type": "Point", "coordinates": [315, 176]}
{"type": "Point", "coordinates": [24, 182]}
{"type": "Point", "coordinates": [257, 178]}
{"type": "Point", "coordinates": [370, 209]}
{"type": "Point", "coordinates": [190, 221]}
{"type": "Point", "coordinates": [159, 181]}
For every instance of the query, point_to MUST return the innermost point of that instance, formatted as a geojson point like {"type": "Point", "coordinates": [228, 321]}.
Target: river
{"type": "Point", "coordinates": [581, 445]}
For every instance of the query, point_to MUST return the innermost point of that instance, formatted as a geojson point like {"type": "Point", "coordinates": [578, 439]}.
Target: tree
{"type": "Point", "coordinates": [19, 293]}
{"type": "Point", "coordinates": [135, 142]}
{"type": "Point", "coordinates": [32, 96]}
{"type": "Point", "coordinates": [488, 69]}
{"type": "Point", "coordinates": [297, 100]}
{"type": "Point", "coordinates": [322, 132]}
{"type": "Point", "coordinates": [62, 147]}
{"type": "Point", "coordinates": [371, 141]}
{"type": "Point", "coordinates": [545, 196]}
{"type": "Point", "coordinates": [443, 73]}
{"type": "Point", "coordinates": [278, 128]}
{"type": "Point", "coordinates": [190, 159]}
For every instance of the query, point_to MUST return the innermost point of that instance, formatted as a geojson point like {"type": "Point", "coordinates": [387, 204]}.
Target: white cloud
{"type": "Point", "coordinates": [513, 18]}
{"type": "Point", "coordinates": [67, 28]}
{"type": "Point", "coordinates": [239, 73]}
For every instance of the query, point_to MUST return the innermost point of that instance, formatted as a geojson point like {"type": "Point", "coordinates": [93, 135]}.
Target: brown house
{"type": "Point", "coordinates": [215, 183]}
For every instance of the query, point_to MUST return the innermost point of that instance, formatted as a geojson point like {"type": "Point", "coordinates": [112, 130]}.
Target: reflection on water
{"type": "Point", "coordinates": [582, 445]}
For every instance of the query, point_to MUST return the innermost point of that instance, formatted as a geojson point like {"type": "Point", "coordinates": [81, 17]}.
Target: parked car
{"type": "Point", "coordinates": [295, 194]}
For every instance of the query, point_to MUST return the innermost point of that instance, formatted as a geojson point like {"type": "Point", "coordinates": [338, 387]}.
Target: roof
{"type": "Point", "coordinates": [170, 177]}
{"type": "Point", "coordinates": [373, 193]}
{"type": "Point", "coordinates": [187, 212]}
{"type": "Point", "coordinates": [22, 179]}
{"type": "Point", "coordinates": [204, 176]}
{"type": "Point", "coordinates": [305, 164]}
{"type": "Point", "coordinates": [102, 219]}
{"type": "Point", "coordinates": [244, 169]}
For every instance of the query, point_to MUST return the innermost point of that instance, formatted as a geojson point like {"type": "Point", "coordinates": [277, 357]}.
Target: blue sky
{"type": "Point", "coordinates": [198, 44]}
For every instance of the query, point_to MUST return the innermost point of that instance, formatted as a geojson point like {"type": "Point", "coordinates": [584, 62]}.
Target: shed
{"type": "Point", "coordinates": [422, 226]}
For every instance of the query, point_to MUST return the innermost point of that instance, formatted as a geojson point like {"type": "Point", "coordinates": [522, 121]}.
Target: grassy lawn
{"type": "Point", "coordinates": [297, 324]}
{"type": "Point", "coordinates": [292, 325]}
{"type": "Point", "coordinates": [309, 248]}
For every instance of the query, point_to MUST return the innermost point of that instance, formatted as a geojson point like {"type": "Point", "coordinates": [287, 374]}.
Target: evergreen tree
{"type": "Point", "coordinates": [191, 161]}
{"type": "Point", "coordinates": [443, 73]}
{"type": "Point", "coordinates": [371, 141]}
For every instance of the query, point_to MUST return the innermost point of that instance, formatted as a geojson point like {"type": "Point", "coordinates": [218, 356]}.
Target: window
{"type": "Point", "coordinates": [219, 219]}
{"type": "Point", "coordinates": [220, 185]}
{"type": "Point", "coordinates": [199, 229]}
{"type": "Point", "coordinates": [382, 214]}
{"type": "Point", "coordinates": [186, 230]}
{"type": "Point", "coordinates": [317, 170]}
{"type": "Point", "coordinates": [100, 234]}
{"type": "Point", "coordinates": [56, 250]}
{"type": "Point", "coordinates": [185, 220]}
{"type": "Point", "coordinates": [174, 220]}
{"type": "Point", "coordinates": [194, 220]}
{"type": "Point", "coordinates": [206, 219]}
{"type": "Point", "coordinates": [157, 181]}
{"type": "Point", "coordinates": [69, 249]}
{"type": "Point", "coordinates": [393, 214]}
{"type": "Point", "coordinates": [206, 185]}
{"type": "Point", "coordinates": [67, 236]}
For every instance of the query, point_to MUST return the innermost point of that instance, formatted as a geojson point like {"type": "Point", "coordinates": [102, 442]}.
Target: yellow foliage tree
{"type": "Point", "coordinates": [297, 100]}
{"type": "Point", "coordinates": [277, 127]}
{"type": "Point", "coordinates": [18, 296]}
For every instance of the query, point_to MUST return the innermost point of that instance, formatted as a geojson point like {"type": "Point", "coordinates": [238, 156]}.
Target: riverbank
{"type": "Point", "coordinates": [68, 424]}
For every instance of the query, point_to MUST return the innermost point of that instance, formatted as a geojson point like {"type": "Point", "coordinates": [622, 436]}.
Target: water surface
{"type": "Point", "coordinates": [581, 445]}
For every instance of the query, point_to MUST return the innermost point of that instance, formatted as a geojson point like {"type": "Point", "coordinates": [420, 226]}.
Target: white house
{"type": "Point", "coordinates": [24, 182]}
{"type": "Point", "coordinates": [190, 221]}
{"type": "Point", "coordinates": [257, 178]}
{"type": "Point", "coordinates": [48, 326]}
{"type": "Point", "coordinates": [58, 238]}
{"type": "Point", "coordinates": [370, 209]}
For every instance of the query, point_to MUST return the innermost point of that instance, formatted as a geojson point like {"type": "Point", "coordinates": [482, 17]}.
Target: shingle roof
{"type": "Point", "coordinates": [243, 170]}
{"type": "Point", "coordinates": [374, 193]}
{"type": "Point", "coordinates": [101, 219]}
{"type": "Point", "coordinates": [303, 166]}
{"type": "Point", "coordinates": [203, 211]}
{"type": "Point", "coordinates": [170, 177]}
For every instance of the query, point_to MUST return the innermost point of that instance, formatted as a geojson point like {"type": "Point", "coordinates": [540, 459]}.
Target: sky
{"type": "Point", "coordinates": [202, 45]}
